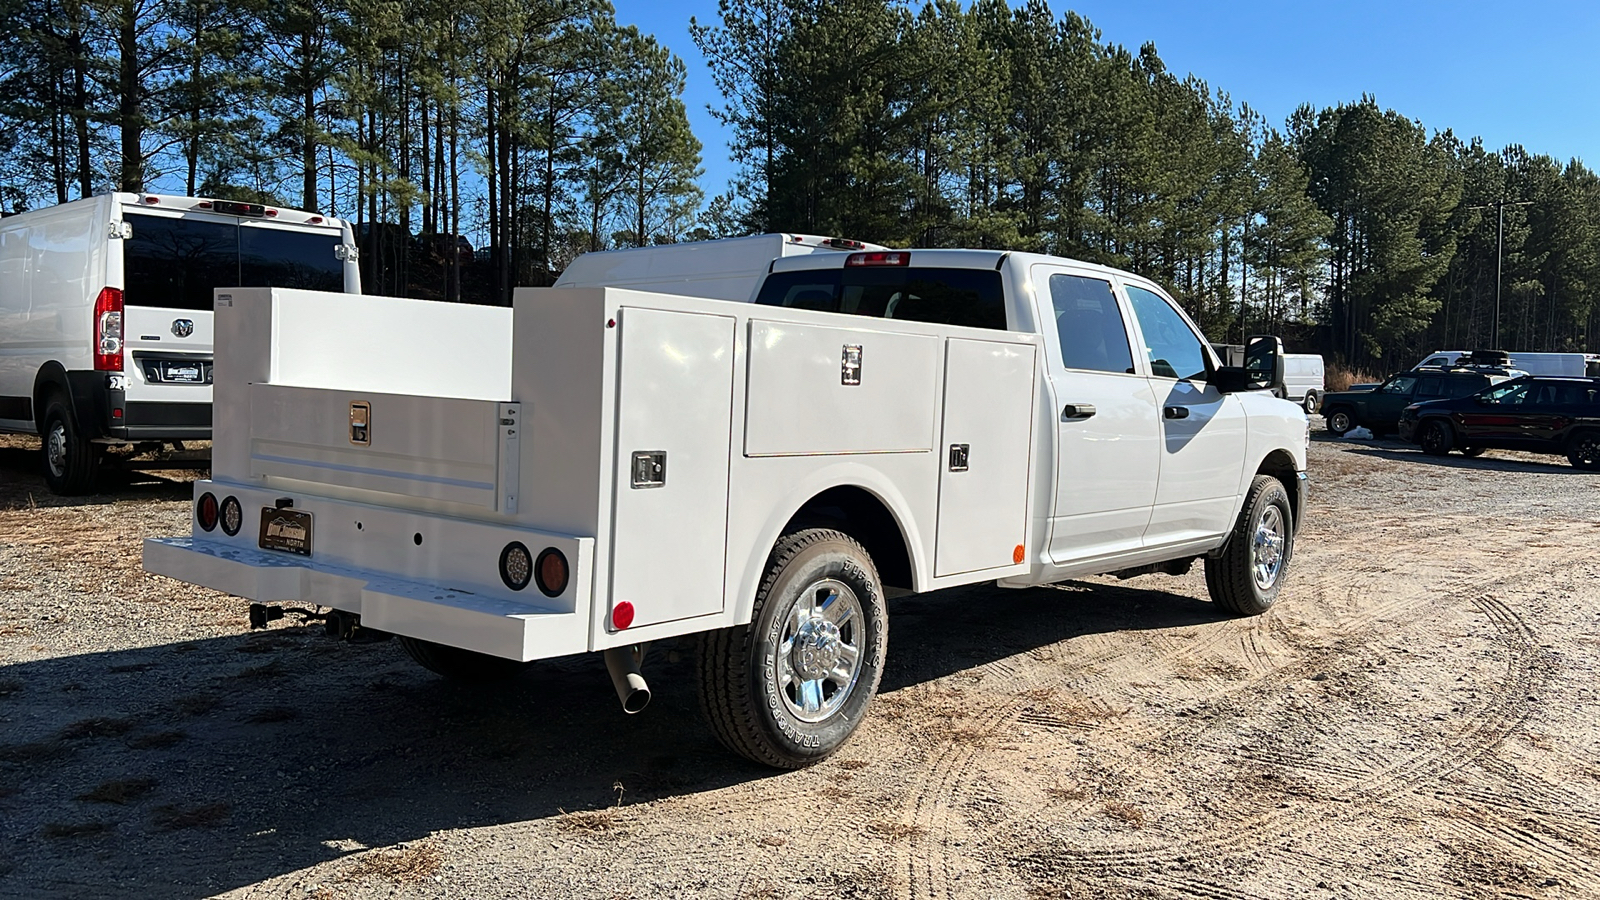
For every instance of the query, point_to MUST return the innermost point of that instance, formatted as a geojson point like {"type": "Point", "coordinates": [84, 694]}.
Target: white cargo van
{"type": "Point", "coordinates": [729, 269]}
{"type": "Point", "coordinates": [1567, 364]}
{"type": "Point", "coordinates": [105, 314]}
{"type": "Point", "coordinates": [1303, 379]}
{"type": "Point", "coordinates": [620, 467]}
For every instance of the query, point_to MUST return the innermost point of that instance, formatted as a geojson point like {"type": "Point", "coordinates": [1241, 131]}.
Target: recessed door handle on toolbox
{"type": "Point", "coordinates": [1077, 411]}
{"type": "Point", "coordinates": [1175, 412]}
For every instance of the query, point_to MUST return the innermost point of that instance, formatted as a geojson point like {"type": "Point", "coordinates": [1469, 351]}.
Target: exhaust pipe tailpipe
{"type": "Point", "coordinates": [623, 664]}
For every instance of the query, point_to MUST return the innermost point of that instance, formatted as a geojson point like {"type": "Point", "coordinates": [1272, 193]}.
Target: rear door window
{"type": "Point", "coordinates": [176, 263]}
{"type": "Point", "coordinates": [1089, 325]}
{"type": "Point", "coordinates": [1432, 387]}
{"type": "Point", "coordinates": [971, 297]}
{"type": "Point", "coordinates": [278, 257]}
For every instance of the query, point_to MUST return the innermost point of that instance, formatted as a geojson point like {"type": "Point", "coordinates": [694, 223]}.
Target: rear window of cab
{"type": "Point", "coordinates": [970, 297]}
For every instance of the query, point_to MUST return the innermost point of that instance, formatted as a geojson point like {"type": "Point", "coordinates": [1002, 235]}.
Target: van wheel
{"type": "Point", "coordinates": [1246, 576]}
{"type": "Point", "coordinates": [788, 689]}
{"type": "Point", "coordinates": [1340, 422]}
{"type": "Point", "coordinates": [70, 462]}
{"type": "Point", "coordinates": [457, 664]}
{"type": "Point", "coordinates": [1436, 438]}
{"type": "Point", "coordinates": [1471, 452]}
{"type": "Point", "coordinates": [1583, 450]}
{"type": "Point", "coordinates": [1310, 402]}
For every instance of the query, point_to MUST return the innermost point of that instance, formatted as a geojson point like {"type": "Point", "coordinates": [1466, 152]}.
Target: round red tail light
{"type": "Point", "coordinates": [205, 511]}
{"type": "Point", "coordinates": [551, 572]}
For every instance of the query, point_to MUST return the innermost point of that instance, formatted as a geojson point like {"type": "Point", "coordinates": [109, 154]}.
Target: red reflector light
{"type": "Point", "coordinates": [152, 201]}
{"type": "Point", "coordinates": [204, 204]}
{"type": "Point", "coordinates": [116, 414]}
{"type": "Point", "coordinates": [843, 244]}
{"type": "Point", "coordinates": [879, 258]}
{"type": "Point", "coordinates": [315, 220]}
{"type": "Point", "coordinates": [205, 511]}
{"type": "Point", "coordinates": [272, 213]}
{"type": "Point", "coordinates": [622, 615]}
{"type": "Point", "coordinates": [108, 330]}
{"type": "Point", "coordinates": [550, 572]}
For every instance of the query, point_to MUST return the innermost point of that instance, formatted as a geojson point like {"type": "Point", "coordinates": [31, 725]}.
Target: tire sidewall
{"type": "Point", "coordinates": [826, 559]}
{"type": "Point", "coordinates": [1274, 495]}
{"type": "Point", "coordinates": [56, 410]}
{"type": "Point", "coordinates": [1578, 441]}
{"type": "Point", "coordinates": [1309, 402]}
{"type": "Point", "coordinates": [1333, 419]}
{"type": "Point", "coordinates": [1432, 428]}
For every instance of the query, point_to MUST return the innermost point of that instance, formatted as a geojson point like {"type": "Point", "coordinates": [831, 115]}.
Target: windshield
{"type": "Point", "coordinates": [971, 297]}
{"type": "Point", "coordinates": [177, 262]}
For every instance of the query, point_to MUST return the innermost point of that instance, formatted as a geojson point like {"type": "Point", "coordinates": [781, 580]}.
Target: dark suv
{"type": "Point", "coordinates": [1537, 413]}
{"type": "Point", "coordinates": [1379, 409]}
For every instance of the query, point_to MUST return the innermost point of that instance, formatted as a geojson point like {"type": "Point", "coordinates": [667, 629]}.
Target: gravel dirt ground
{"type": "Point", "coordinates": [1414, 719]}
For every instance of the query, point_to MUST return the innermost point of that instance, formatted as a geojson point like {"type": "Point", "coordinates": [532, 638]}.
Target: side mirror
{"type": "Point", "coordinates": [1262, 369]}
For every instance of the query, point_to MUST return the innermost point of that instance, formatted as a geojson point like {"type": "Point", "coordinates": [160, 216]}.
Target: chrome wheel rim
{"type": "Point", "coordinates": [818, 659]}
{"type": "Point", "coordinates": [1339, 422]}
{"type": "Point", "coordinates": [55, 449]}
{"type": "Point", "coordinates": [1267, 549]}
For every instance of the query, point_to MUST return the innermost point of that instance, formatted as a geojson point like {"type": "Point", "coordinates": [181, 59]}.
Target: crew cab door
{"type": "Point", "coordinates": [1203, 431]}
{"type": "Point", "coordinates": [1105, 415]}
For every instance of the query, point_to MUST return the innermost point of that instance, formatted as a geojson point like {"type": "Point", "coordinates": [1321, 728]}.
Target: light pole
{"type": "Point", "coordinates": [1499, 252]}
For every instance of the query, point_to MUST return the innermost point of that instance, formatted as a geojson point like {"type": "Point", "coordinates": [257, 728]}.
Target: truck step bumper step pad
{"type": "Point", "coordinates": [415, 609]}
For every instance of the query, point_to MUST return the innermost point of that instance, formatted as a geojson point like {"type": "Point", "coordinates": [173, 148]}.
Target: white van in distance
{"type": "Point", "coordinates": [1303, 379]}
{"type": "Point", "coordinates": [105, 314]}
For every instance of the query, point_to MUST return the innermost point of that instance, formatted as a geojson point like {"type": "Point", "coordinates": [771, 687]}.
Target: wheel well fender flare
{"type": "Point", "coordinates": [51, 377]}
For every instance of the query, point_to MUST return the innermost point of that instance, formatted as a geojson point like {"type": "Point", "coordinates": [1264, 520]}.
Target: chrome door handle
{"type": "Point", "coordinates": [1176, 412]}
{"type": "Point", "coordinates": [1077, 411]}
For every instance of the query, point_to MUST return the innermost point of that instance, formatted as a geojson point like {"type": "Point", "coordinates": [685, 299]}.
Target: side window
{"type": "Point", "coordinates": [1462, 387]}
{"type": "Point", "coordinates": [1173, 349]}
{"type": "Point", "coordinates": [1089, 325]}
{"type": "Point", "coordinates": [1430, 387]}
{"type": "Point", "coordinates": [1400, 384]}
{"type": "Point", "coordinates": [1510, 394]}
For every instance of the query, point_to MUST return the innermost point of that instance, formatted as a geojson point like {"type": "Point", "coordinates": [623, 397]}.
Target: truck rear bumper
{"type": "Point", "coordinates": [457, 617]}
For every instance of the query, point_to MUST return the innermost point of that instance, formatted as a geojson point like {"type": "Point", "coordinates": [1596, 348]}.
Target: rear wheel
{"type": "Point", "coordinates": [1437, 439]}
{"type": "Point", "coordinates": [1340, 421]}
{"type": "Point", "coordinates": [457, 664]}
{"type": "Point", "coordinates": [788, 689]}
{"type": "Point", "coordinates": [1583, 450]}
{"type": "Point", "coordinates": [1471, 452]}
{"type": "Point", "coordinates": [1310, 402]}
{"type": "Point", "coordinates": [1246, 576]}
{"type": "Point", "coordinates": [70, 461]}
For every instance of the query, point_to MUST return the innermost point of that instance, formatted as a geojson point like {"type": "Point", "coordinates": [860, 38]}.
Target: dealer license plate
{"type": "Point", "coordinates": [181, 374]}
{"type": "Point", "coordinates": [288, 530]}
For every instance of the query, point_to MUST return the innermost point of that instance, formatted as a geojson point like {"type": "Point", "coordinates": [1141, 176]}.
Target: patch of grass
{"type": "Point", "coordinates": [75, 829]}
{"type": "Point", "coordinates": [894, 831]}
{"type": "Point", "coordinates": [402, 865]}
{"type": "Point", "coordinates": [158, 741]}
{"type": "Point", "coordinates": [121, 791]}
{"type": "Point", "coordinates": [272, 714]}
{"type": "Point", "coordinates": [1124, 812]}
{"type": "Point", "coordinates": [197, 704]}
{"type": "Point", "coordinates": [35, 752]}
{"type": "Point", "coordinates": [97, 727]}
{"type": "Point", "coordinates": [173, 817]}
{"type": "Point", "coordinates": [589, 821]}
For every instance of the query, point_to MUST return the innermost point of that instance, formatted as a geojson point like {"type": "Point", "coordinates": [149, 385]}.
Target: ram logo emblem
{"type": "Point", "coordinates": [182, 327]}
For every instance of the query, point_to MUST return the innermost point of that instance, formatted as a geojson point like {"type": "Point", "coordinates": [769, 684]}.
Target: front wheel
{"type": "Point", "coordinates": [1436, 438]}
{"type": "Point", "coordinates": [1583, 450]}
{"type": "Point", "coordinates": [788, 689]}
{"type": "Point", "coordinates": [70, 461]}
{"type": "Point", "coordinates": [1246, 576]}
{"type": "Point", "coordinates": [1340, 422]}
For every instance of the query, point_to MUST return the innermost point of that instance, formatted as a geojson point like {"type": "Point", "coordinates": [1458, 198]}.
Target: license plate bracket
{"type": "Point", "coordinates": [182, 373]}
{"type": "Point", "coordinates": [286, 530]}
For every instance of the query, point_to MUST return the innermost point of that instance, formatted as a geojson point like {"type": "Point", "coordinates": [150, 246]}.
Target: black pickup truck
{"type": "Point", "coordinates": [1379, 409]}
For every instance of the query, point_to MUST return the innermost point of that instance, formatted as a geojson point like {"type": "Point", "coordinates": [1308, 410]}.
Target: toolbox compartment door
{"type": "Point", "coordinates": [674, 418]}
{"type": "Point", "coordinates": [983, 466]}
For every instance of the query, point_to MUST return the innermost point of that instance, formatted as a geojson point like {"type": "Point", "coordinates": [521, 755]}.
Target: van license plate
{"type": "Point", "coordinates": [180, 374]}
{"type": "Point", "coordinates": [288, 530]}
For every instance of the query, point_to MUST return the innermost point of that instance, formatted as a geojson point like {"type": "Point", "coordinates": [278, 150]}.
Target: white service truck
{"type": "Point", "coordinates": [105, 314]}
{"type": "Point", "coordinates": [617, 467]}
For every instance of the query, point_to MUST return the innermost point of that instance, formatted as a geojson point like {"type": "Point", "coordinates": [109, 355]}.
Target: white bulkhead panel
{"type": "Point", "coordinates": [815, 389]}
{"type": "Point", "coordinates": [988, 434]}
{"type": "Point", "coordinates": [674, 416]}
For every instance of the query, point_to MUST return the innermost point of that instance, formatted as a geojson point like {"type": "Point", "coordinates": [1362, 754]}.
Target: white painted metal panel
{"type": "Point", "coordinates": [988, 433]}
{"type": "Point", "coordinates": [435, 447]}
{"type": "Point", "coordinates": [801, 404]}
{"type": "Point", "coordinates": [675, 397]}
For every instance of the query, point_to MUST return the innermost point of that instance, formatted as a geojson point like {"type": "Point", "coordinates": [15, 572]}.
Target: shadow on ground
{"type": "Point", "coordinates": [22, 481]}
{"type": "Point", "coordinates": [189, 769]}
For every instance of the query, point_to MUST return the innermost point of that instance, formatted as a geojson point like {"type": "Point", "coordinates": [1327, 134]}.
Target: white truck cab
{"type": "Point", "coordinates": [627, 467]}
{"type": "Point", "coordinates": [105, 314]}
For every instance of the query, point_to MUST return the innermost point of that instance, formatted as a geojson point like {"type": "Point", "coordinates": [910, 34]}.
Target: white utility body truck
{"type": "Point", "coordinates": [618, 467]}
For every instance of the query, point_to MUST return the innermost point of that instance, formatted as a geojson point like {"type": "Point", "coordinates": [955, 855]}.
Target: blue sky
{"type": "Point", "coordinates": [1522, 72]}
